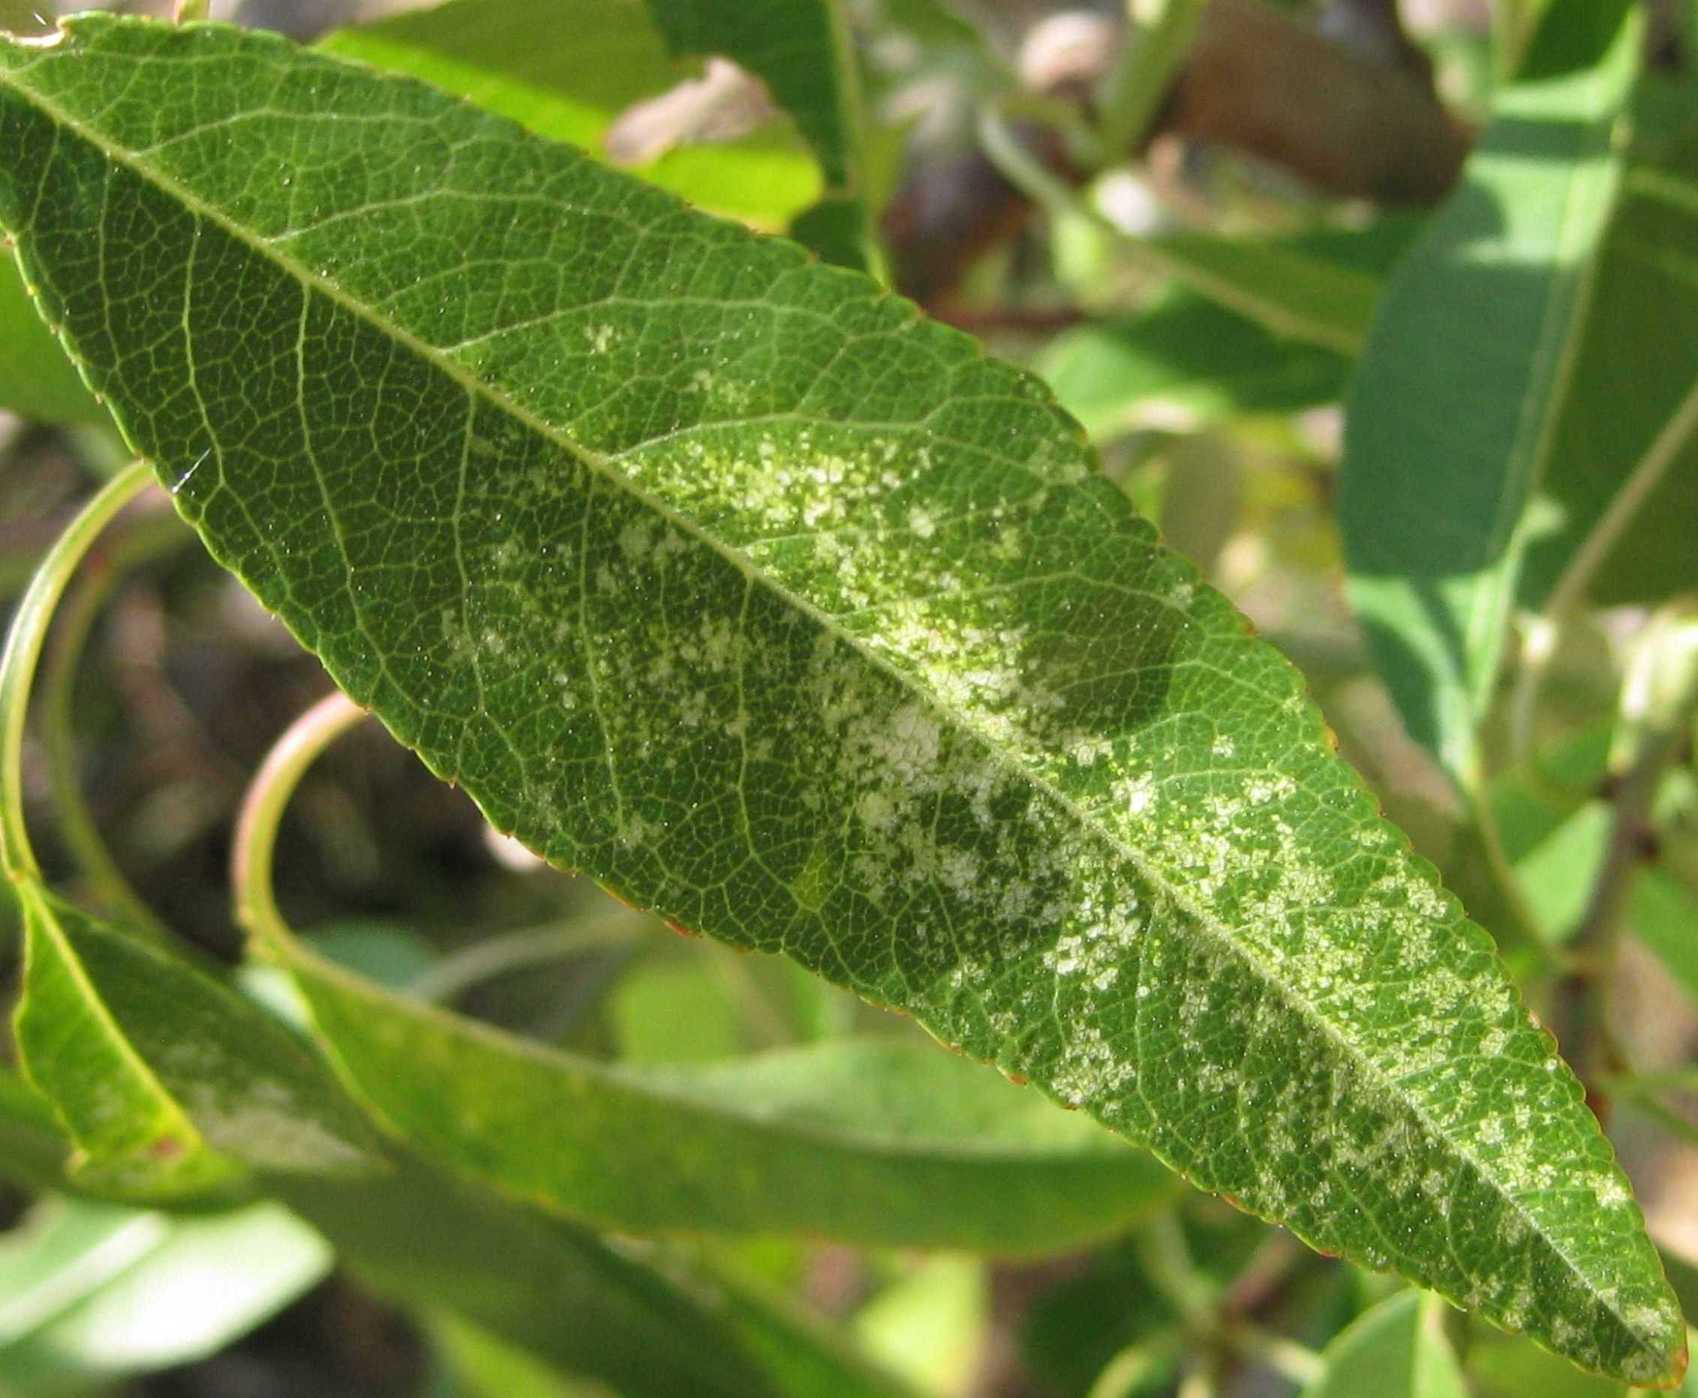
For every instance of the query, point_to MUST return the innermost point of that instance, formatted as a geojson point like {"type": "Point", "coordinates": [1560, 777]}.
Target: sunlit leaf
{"type": "Point", "coordinates": [723, 575]}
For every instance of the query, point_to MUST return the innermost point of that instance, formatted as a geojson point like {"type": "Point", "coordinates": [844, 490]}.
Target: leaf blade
{"type": "Point", "coordinates": [875, 1145]}
{"type": "Point", "coordinates": [1013, 764]}
{"type": "Point", "coordinates": [170, 1084]}
{"type": "Point", "coordinates": [1444, 453]}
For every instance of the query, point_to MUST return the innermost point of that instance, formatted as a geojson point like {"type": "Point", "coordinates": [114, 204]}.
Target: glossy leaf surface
{"type": "Point", "coordinates": [725, 576]}
{"type": "Point", "coordinates": [169, 1083]}
{"type": "Point", "coordinates": [1444, 452]}
{"type": "Point", "coordinates": [862, 1142]}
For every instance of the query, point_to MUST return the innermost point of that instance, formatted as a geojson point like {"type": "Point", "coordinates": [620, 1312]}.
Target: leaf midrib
{"type": "Point", "coordinates": [601, 468]}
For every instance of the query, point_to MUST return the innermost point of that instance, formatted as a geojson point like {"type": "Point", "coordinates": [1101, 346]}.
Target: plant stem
{"type": "Point", "coordinates": [77, 826]}
{"type": "Point", "coordinates": [23, 652]}
{"type": "Point", "coordinates": [1160, 33]}
{"type": "Point", "coordinates": [1166, 1258]}
{"type": "Point", "coordinates": [262, 811]}
{"type": "Point", "coordinates": [1576, 578]}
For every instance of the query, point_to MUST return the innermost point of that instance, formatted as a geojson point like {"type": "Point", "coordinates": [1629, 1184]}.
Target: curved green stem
{"type": "Point", "coordinates": [77, 826]}
{"type": "Point", "coordinates": [23, 652]}
{"type": "Point", "coordinates": [262, 810]}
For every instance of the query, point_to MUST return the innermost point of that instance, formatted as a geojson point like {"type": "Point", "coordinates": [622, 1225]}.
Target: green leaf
{"type": "Point", "coordinates": [725, 576]}
{"type": "Point", "coordinates": [188, 1288]}
{"type": "Point", "coordinates": [1452, 419]}
{"type": "Point", "coordinates": [802, 50]}
{"type": "Point", "coordinates": [1186, 358]}
{"type": "Point", "coordinates": [168, 1082]}
{"type": "Point", "coordinates": [1623, 390]}
{"type": "Point", "coordinates": [1395, 1350]}
{"type": "Point", "coordinates": [62, 1251]}
{"type": "Point", "coordinates": [1291, 289]}
{"type": "Point", "coordinates": [555, 1291]}
{"type": "Point", "coordinates": [37, 380]}
{"type": "Point", "coordinates": [567, 72]}
{"type": "Point", "coordinates": [33, 1148]}
{"type": "Point", "coordinates": [879, 1144]}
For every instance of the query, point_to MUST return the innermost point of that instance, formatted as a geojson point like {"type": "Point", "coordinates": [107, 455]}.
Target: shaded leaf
{"type": "Point", "coordinates": [881, 1144]}
{"type": "Point", "coordinates": [1395, 1350]}
{"type": "Point", "coordinates": [169, 1083]}
{"type": "Point", "coordinates": [567, 72]}
{"type": "Point", "coordinates": [1445, 448]}
{"type": "Point", "coordinates": [723, 575]}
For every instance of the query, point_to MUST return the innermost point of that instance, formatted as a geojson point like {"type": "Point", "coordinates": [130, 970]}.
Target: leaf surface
{"type": "Point", "coordinates": [882, 1145]}
{"type": "Point", "coordinates": [1452, 420]}
{"type": "Point", "coordinates": [169, 1083]}
{"type": "Point", "coordinates": [725, 576]}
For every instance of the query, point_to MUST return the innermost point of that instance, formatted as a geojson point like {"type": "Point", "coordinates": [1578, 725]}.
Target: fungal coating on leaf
{"type": "Point", "coordinates": [726, 577]}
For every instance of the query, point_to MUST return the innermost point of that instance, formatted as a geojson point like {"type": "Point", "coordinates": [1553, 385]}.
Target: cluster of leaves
{"type": "Point", "coordinates": [711, 568]}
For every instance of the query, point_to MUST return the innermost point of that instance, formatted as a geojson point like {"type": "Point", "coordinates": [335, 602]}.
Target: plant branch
{"type": "Point", "coordinates": [23, 652]}
{"type": "Point", "coordinates": [262, 811]}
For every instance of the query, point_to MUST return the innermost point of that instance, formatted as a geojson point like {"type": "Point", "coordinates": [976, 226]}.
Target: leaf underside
{"type": "Point", "coordinates": [726, 577]}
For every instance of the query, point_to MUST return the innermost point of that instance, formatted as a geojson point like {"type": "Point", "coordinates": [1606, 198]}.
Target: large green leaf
{"type": "Point", "coordinates": [1453, 417]}
{"type": "Point", "coordinates": [169, 1083]}
{"type": "Point", "coordinates": [567, 71]}
{"type": "Point", "coordinates": [869, 1143]}
{"type": "Point", "coordinates": [724, 575]}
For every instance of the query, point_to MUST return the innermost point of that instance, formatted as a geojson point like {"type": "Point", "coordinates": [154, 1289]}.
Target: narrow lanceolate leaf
{"type": "Point", "coordinates": [1452, 420]}
{"type": "Point", "coordinates": [169, 1083]}
{"type": "Point", "coordinates": [725, 576]}
{"type": "Point", "coordinates": [867, 1143]}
